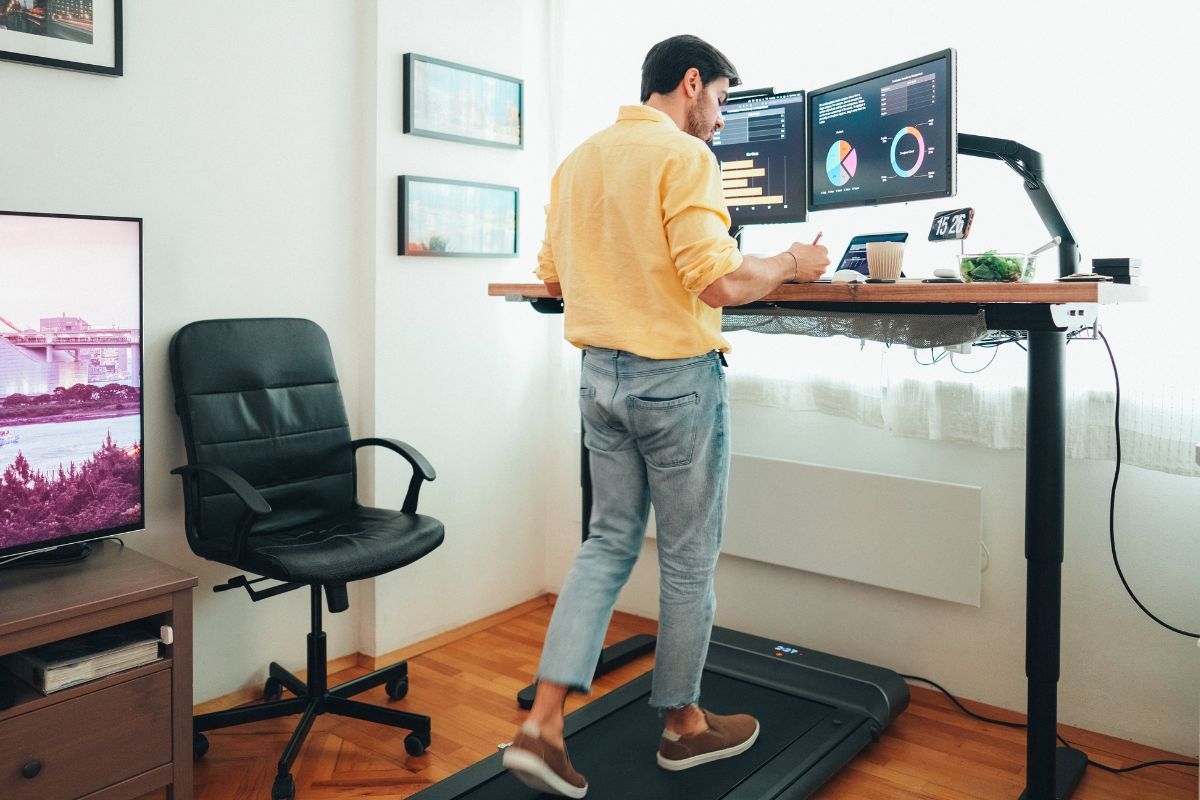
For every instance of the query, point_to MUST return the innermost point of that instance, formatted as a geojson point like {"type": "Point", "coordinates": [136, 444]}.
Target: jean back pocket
{"type": "Point", "coordinates": [666, 429]}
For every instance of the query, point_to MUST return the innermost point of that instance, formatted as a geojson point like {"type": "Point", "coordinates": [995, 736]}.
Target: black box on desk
{"type": "Point", "coordinates": [1115, 271]}
{"type": "Point", "coordinates": [1133, 264]}
{"type": "Point", "coordinates": [1121, 270]}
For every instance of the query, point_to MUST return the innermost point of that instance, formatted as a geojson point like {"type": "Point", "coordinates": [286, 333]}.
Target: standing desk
{"type": "Point", "coordinates": [1048, 312]}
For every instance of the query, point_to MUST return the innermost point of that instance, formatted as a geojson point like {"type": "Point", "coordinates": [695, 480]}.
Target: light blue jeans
{"type": "Point", "coordinates": [656, 432]}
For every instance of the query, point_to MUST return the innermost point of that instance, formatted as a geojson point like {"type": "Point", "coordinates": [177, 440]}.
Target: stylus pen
{"type": "Point", "coordinates": [819, 235]}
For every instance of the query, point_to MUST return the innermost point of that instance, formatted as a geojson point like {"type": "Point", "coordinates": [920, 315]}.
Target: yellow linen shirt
{"type": "Point", "coordinates": [636, 229]}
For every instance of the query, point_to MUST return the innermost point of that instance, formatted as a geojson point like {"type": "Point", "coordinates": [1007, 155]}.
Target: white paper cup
{"type": "Point", "coordinates": [885, 259]}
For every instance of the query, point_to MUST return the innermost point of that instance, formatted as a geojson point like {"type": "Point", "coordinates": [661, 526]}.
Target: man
{"type": "Point", "coordinates": [637, 245]}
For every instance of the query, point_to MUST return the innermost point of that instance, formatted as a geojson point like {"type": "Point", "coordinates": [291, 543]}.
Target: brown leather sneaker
{"type": "Point", "coordinates": [725, 737]}
{"type": "Point", "coordinates": [542, 766]}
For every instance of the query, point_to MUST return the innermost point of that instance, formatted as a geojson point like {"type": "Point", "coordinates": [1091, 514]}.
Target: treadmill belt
{"type": "Point", "coordinates": [617, 753]}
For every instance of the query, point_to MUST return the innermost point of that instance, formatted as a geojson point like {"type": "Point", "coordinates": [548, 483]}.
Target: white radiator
{"type": "Point", "coordinates": [900, 533]}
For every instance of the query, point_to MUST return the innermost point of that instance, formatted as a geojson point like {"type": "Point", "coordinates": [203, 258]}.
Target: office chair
{"type": "Point", "coordinates": [270, 488]}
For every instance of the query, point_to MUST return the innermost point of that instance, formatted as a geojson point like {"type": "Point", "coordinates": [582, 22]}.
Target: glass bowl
{"type": "Point", "coordinates": [996, 267]}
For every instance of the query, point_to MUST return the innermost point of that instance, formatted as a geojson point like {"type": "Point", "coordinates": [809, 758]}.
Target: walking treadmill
{"type": "Point", "coordinates": [816, 712]}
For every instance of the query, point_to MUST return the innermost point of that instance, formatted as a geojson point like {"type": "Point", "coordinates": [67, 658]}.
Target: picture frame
{"type": "Point", "coordinates": [464, 219]}
{"type": "Point", "coordinates": [82, 35]}
{"type": "Point", "coordinates": [444, 100]}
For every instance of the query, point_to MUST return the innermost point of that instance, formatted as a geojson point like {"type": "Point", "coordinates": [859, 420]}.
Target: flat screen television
{"type": "Point", "coordinates": [71, 415]}
{"type": "Point", "coordinates": [762, 156]}
{"type": "Point", "coordinates": [885, 137]}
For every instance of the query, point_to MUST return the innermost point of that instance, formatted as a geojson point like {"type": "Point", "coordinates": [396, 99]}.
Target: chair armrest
{"type": "Point", "coordinates": [422, 469]}
{"type": "Point", "coordinates": [255, 503]}
{"type": "Point", "coordinates": [411, 454]}
{"type": "Point", "coordinates": [252, 498]}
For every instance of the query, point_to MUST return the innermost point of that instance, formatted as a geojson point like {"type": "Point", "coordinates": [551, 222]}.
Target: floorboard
{"type": "Point", "coordinates": [467, 683]}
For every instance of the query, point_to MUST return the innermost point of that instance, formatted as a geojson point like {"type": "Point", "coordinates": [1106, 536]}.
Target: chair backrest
{"type": "Point", "coordinates": [261, 397]}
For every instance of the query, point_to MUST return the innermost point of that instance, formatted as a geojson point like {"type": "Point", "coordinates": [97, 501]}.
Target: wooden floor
{"type": "Point", "coordinates": [467, 683]}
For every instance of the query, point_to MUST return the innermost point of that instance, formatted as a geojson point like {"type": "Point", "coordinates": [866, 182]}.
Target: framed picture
{"type": "Point", "coordinates": [70, 34]}
{"type": "Point", "coordinates": [457, 218]}
{"type": "Point", "coordinates": [463, 104]}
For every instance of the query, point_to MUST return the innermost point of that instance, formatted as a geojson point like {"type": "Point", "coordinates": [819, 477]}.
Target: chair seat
{"type": "Point", "coordinates": [360, 543]}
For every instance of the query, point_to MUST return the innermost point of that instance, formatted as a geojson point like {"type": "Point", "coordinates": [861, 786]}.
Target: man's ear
{"type": "Point", "coordinates": [691, 83]}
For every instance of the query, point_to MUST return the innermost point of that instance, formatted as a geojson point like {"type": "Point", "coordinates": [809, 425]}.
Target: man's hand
{"type": "Point", "coordinates": [811, 261]}
{"type": "Point", "coordinates": [760, 276]}
{"type": "Point", "coordinates": [553, 289]}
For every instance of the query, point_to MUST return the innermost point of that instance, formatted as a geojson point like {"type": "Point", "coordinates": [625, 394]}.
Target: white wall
{"type": "Point", "coordinates": [458, 374]}
{"type": "Point", "coordinates": [1062, 78]}
{"type": "Point", "coordinates": [238, 143]}
{"type": "Point", "coordinates": [263, 155]}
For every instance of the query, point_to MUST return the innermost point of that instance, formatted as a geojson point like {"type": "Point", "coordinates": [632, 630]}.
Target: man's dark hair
{"type": "Point", "coordinates": [668, 60]}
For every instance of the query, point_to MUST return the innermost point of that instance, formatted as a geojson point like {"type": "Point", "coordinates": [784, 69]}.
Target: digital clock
{"type": "Point", "coordinates": [950, 225]}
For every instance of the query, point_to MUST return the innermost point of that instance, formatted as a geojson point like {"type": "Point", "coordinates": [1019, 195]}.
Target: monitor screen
{"type": "Point", "coordinates": [70, 379]}
{"type": "Point", "coordinates": [887, 137]}
{"type": "Point", "coordinates": [762, 156]}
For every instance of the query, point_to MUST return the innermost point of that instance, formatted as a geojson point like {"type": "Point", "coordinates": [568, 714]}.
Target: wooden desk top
{"type": "Point", "coordinates": [915, 292]}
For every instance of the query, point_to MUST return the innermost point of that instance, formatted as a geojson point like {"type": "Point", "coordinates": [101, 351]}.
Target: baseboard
{"type": "Point", "coordinates": [441, 639]}
{"type": "Point", "coordinates": [1101, 747]}
{"type": "Point", "coordinates": [252, 694]}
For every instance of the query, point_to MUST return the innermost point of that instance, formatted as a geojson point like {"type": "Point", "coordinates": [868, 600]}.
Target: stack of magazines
{"type": "Point", "coordinates": [57, 665]}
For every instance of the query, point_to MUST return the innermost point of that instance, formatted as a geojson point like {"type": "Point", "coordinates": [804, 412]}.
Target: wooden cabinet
{"type": "Point", "coordinates": [118, 737]}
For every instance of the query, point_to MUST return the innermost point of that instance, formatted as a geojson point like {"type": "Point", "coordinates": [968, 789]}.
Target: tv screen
{"type": "Point", "coordinates": [70, 379]}
{"type": "Point", "coordinates": [762, 156]}
{"type": "Point", "coordinates": [886, 137]}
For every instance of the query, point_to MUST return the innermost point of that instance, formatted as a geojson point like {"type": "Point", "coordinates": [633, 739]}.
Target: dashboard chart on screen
{"type": "Point", "coordinates": [762, 156]}
{"type": "Point", "coordinates": [884, 137]}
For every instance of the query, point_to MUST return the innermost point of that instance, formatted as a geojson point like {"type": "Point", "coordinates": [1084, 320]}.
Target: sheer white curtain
{"type": "Point", "coordinates": [980, 398]}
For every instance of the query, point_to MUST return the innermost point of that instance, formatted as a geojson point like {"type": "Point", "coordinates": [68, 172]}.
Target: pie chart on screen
{"type": "Point", "coordinates": [841, 162]}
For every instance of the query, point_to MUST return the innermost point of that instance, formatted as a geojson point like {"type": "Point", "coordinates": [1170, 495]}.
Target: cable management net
{"type": "Point", "coordinates": [915, 330]}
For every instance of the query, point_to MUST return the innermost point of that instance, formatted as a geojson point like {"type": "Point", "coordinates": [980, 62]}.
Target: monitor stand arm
{"type": "Point", "coordinates": [1027, 163]}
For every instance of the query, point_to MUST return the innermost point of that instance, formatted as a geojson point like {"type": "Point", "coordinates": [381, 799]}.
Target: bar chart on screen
{"type": "Point", "coordinates": [761, 153]}
{"type": "Point", "coordinates": [754, 181]}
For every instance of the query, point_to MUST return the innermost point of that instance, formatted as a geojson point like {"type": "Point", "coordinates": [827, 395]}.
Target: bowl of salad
{"type": "Point", "coordinates": [996, 267]}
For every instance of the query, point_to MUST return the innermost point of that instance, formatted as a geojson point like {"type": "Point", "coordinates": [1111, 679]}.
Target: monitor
{"type": "Point", "coordinates": [886, 137]}
{"type": "Point", "coordinates": [70, 380]}
{"type": "Point", "coordinates": [762, 156]}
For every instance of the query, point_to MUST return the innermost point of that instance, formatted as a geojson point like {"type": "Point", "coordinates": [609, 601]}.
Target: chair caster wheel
{"type": "Point", "coordinates": [284, 788]}
{"type": "Point", "coordinates": [199, 746]}
{"type": "Point", "coordinates": [272, 690]}
{"type": "Point", "coordinates": [397, 688]}
{"type": "Point", "coordinates": [414, 745]}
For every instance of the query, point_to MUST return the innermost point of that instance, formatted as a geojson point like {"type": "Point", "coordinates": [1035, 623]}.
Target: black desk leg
{"type": "Point", "coordinates": [585, 482]}
{"type": "Point", "coordinates": [1051, 773]}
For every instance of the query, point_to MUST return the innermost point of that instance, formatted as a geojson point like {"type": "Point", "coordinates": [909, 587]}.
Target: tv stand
{"type": "Point", "coordinates": [117, 737]}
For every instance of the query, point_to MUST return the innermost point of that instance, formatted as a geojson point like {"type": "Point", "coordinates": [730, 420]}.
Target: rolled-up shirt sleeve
{"type": "Point", "coordinates": [547, 270]}
{"type": "Point", "coordinates": [697, 221]}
